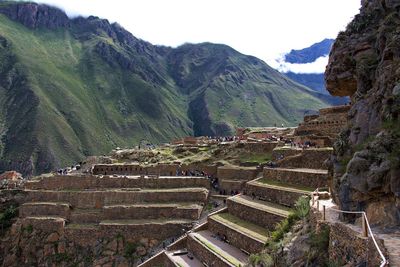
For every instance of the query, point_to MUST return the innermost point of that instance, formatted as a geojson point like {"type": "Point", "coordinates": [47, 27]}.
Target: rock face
{"type": "Point", "coordinates": [365, 64]}
{"type": "Point", "coordinates": [36, 16]}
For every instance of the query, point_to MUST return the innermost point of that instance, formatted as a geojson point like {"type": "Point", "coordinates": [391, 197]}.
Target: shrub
{"type": "Point", "coordinates": [6, 217]}
{"type": "Point", "coordinates": [261, 259]}
{"type": "Point", "coordinates": [302, 207]}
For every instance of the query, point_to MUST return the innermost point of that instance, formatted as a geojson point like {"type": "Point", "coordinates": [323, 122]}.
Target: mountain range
{"type": "Point", "coordinates": [309, 55]}
{"type": "Point", "coordinates": [70, 88]}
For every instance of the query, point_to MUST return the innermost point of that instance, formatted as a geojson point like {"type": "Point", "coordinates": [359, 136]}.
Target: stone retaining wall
{"type": "Point", "coordinates": [203, 253]}
{"type": "Point", "coordinates": [308, 179]}
{"type": "Point", "coordinates": [153, 212]}
{"type": "Point", "coordinates": [158, 169]}
{"type": "Point", "coordinates": [71, 182]}
{"type": "Point", "coordinates": [232, 185]}
{"type": "Point", "coordinates": [237, 173]}
{"type": "Point", "coordinates": [98, 199]}
{"type": "Point", "coordinates": [235, 239]}
{"type": "Point", "coordinates": [285, 198]}
{"type": "Point", "coordinates": [308, 158]}
{"type": "Point", "coordinates": [348, 247]}
{"type": "Point", "coordinates": [253, 215]}
{"type": "Point", "coordinates": [59, 210]}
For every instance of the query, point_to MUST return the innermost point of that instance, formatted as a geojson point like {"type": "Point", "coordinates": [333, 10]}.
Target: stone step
{"type": "Point", "coordinates": [313, 178]}
{"type": "Point", "coordinates": [213, 251]}
{"type": "Point", "coordinates": [58, 209]}
{"type": "Point", "coordinates": [240, 233]}
{"type": "Point", "coordinates": [262, 213]}
{"type": "Point", "coordinates": [178, 258]}
{"type": "Point", "coordinates": [276, 192]}
{"type": "Point", "coordinates": [189, 211]}
{"type": "Point", "coordinates": [98, 199]}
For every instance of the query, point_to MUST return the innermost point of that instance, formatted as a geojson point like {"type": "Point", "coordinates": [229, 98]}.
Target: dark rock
{"type": "Point", "coordinates": [364, 64]}
{"type": "Point", "coordinates": [34, 16]}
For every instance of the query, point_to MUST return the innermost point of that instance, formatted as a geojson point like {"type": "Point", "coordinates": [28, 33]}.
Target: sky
{"type": "Point", "coordinates": [263, 28]}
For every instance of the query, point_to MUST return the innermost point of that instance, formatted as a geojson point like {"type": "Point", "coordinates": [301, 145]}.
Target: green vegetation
{"type": "Point", "coordinates": [130, 250]}
{"type": "Point", "coordinates": [61, 257]}
{"type": "Point", "coordinates": [28, 229]}
{"type": "Point", "coordinates": [261, 259]}
{"type": "Point", "coordinates": [242, 226]}
{"type": "Point", "coordinates": [301, 211]}
{"type": "Point", "coordinates": [257, 158]}
{"type": "Point", "coordinates": [210, 246]}
{"type": "Point", "coordinates": [7, 216]}
{"type": "Point", "coordinates": [277, 183]}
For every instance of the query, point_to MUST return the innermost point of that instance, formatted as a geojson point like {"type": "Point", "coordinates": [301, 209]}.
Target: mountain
{"type": "Point", "coordinates": [310, 54]}
{"type": "Point", "coordinates": [76, 87]}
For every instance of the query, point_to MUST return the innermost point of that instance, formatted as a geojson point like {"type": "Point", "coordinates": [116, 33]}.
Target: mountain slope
{"type": "Point", "coordinates": [316, 80]}
{"type": "Point", "coordinates": [310, 54]}
{"type": "Point", "coordinates": [76, 87]}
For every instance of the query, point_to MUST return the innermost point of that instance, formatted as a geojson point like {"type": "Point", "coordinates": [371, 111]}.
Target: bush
{"type": "Point", "coordinates": [302, 207]}
{"type": "Point", "coordinates": [261, 259]}
{"type": "Point", "coordinates": [6, 217]}
{"type": "Point", "coordinates": [130, 249]}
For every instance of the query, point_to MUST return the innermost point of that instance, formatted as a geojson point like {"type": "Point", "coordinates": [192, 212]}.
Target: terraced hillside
{"type": "Point", "coordinates": [76, 87]}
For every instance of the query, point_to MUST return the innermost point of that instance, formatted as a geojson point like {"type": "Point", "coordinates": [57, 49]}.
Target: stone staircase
{"type": "Point", "coordinates": [231, 235]}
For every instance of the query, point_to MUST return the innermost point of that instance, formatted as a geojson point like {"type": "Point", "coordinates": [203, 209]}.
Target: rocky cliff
{"type": "Point", "coordinates": [365, 64]}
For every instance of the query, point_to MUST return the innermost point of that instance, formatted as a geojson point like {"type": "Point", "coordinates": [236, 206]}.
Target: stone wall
{"type": "Point", "coordinates": [286, 198]}
{"type": "Point", "coordinates": [237, 240]}
{"type": "Point", "coordinates": [41, 209]}
{"type": "Point", "coordinates": [203, 253]}
{"type": "Point", "coordinates": [312, 178]}
{"type": "Point", "coordinates": [232, 185]}
{"type": "Point", "coordinates": [254, 215]}
{"type": "Point", "coordinates": [47, 242]}
{"type": "Point", "coordinates": [307, 158]}
{"type": "Point", "coordinates": [98, 199]}
{"type": "Point", "coordinates": [257, 147]}
{"type": "Point", "coordinates": [158, 169]}
{"type": "Point", "coordinates": [191, 212]}
{"type": "Point", "coordinates": [71, 182]}
{"type": "Point", "coordinates": [237, 173]}
{"type": "Point", "coordinates": [347, 246]}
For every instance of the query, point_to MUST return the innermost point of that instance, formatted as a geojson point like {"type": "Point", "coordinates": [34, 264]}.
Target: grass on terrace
{"type": "Point", "coordinates": [243, 226]}
{"type": "Point", "coordinates": [217, 251]}
{"type": "Point", "coordinates": [258, 158]}
{"type": "Point", "coordinates": [276, 183]}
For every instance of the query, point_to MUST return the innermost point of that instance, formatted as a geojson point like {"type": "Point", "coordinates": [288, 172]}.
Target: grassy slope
{"type": "Point", "coordinates": [87, 107]}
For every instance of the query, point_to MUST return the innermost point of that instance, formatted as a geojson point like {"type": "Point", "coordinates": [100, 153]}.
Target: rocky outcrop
{"type": "Point", "coordinates": [365, 65]}
{"type": "Point", "coordinates": [34, 16]}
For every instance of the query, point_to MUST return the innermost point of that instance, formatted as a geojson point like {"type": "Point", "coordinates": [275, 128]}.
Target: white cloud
{"type": "Point", "coordinates": [263, 28]}
{"type": "Point", "coordinates": [318, 66]}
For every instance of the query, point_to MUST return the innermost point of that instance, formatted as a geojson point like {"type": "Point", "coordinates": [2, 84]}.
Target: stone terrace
{"type": "Point", "coordinates": [89, 207]}
{"type": "Point", "coordinates": [242, 228]}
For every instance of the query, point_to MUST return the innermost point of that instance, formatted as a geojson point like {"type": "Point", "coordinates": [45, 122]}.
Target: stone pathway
{"type": "Point", "coordinates": [390, 237]}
